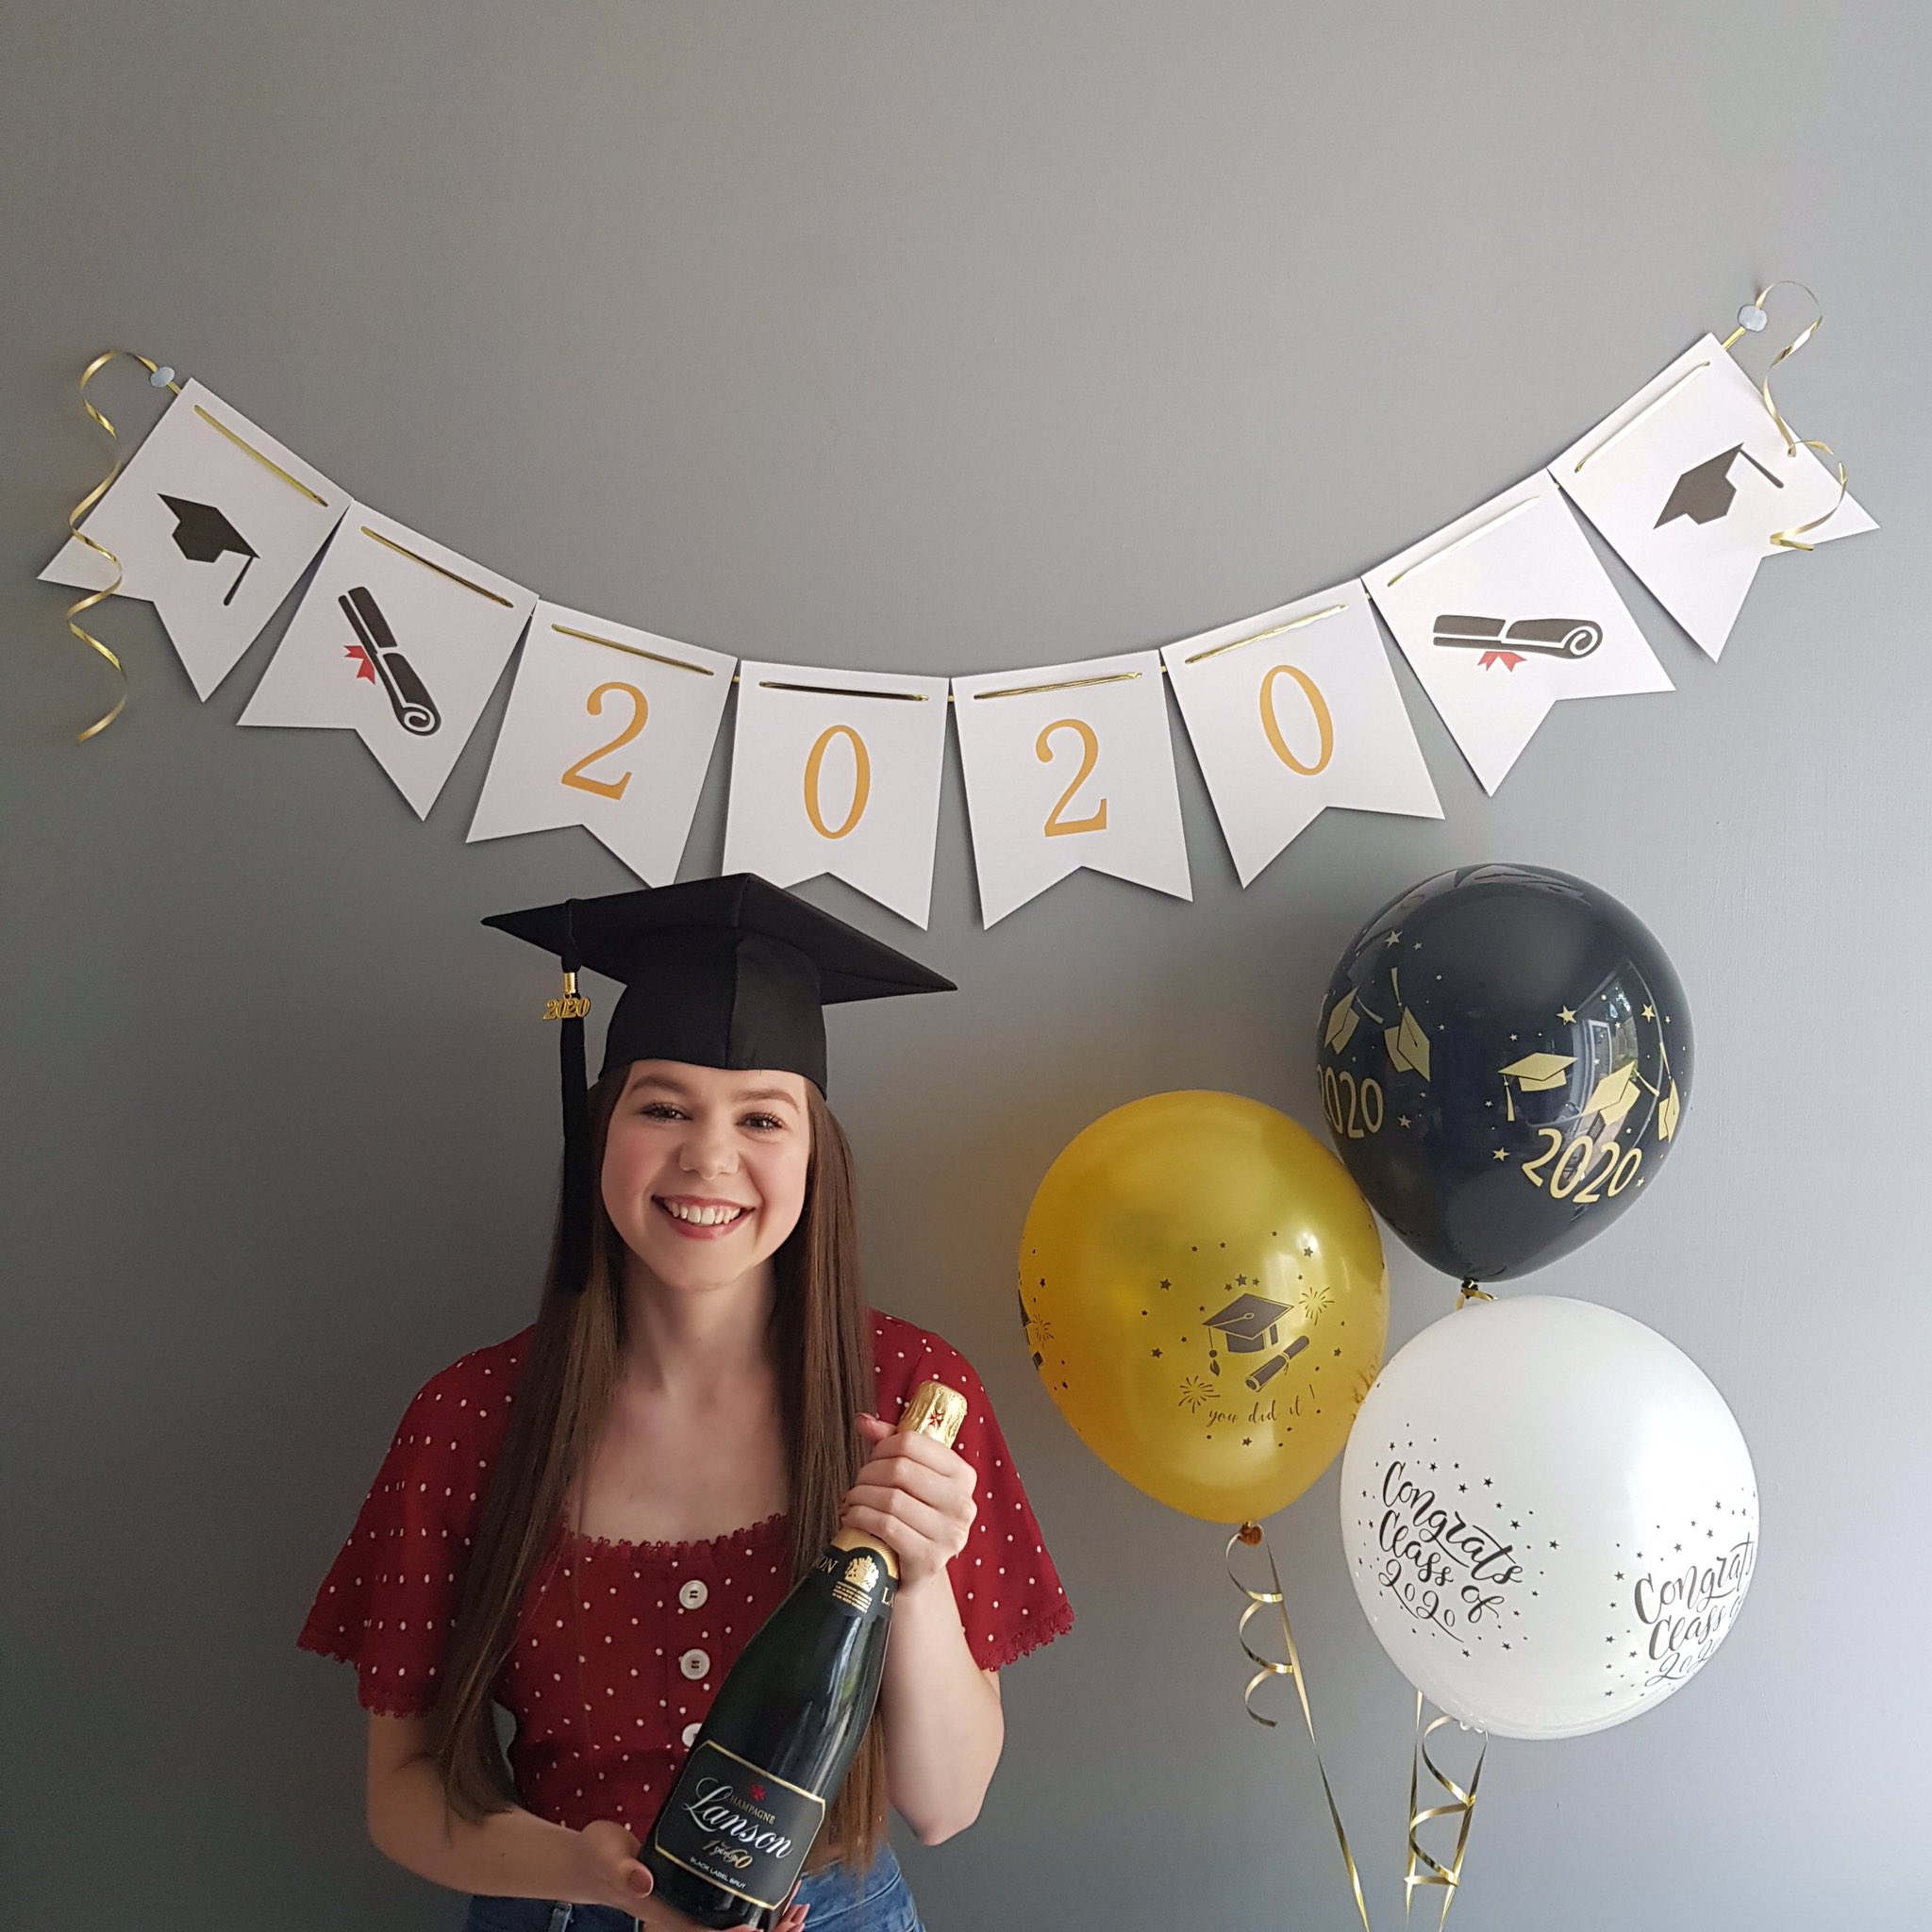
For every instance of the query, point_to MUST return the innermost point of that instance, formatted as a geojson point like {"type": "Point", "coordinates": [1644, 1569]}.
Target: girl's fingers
{"type": "Point", "coordinates": [904, 1543]}
{"type": "Point", "coordinates": [936, 1486]}
{"type": "Point", "coordinates": [920, 1518]}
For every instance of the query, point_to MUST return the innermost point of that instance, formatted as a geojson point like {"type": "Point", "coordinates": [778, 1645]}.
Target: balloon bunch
{"type": "Point", "coordinates": [1549, 1514]}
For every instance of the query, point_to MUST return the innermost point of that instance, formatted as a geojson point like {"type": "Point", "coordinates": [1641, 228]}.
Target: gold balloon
{"type": "Point", "coordinates": [1205, 1299]}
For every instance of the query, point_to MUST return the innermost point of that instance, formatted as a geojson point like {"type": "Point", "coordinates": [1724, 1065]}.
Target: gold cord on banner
{"type": "Point", "coordinates": [1251, 1534]}
{"type": "Point", "coordinates": [1461, 1806]}
{"type": "Point", "coordinates": [160, 378]}
{"type": "Point", "coordinates": [1749, 319]}
{"type": "Point", "coordinates": [1482, 529]}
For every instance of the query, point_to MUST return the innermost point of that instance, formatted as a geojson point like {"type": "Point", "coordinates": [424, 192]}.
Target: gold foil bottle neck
{"type": "Point", "coordinates": [935, 1411]}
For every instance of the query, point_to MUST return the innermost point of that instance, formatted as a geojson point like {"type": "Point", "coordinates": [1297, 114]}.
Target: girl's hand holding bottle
{"type": "Point", "coordinates": [609, 1874]}
{"type": "Point", "coordinates": [915, 1494]}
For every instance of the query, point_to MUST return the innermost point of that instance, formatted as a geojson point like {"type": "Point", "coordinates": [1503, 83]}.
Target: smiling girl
{"type": "Point", "coordinates": [585, 1524]}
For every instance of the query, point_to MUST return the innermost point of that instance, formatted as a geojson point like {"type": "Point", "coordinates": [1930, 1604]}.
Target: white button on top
{"type": "Point", "coordinates": [692, 1594]}
{"type": "Point", "coordinates": [690, 1734]}
{"type": "Point", "coordinates": [694, 1664]}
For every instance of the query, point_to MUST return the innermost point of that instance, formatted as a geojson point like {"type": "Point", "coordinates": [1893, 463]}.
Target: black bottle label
{"type": "Point", "coordinates": [737, 1825]}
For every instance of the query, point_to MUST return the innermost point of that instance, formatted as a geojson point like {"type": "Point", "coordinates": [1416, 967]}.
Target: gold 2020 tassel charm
{"type": "Point", "coordinates": [570, 1004]}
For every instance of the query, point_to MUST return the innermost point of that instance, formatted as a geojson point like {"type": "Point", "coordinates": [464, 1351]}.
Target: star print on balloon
{"type": "Point", "coordinates": [1504, 1061]}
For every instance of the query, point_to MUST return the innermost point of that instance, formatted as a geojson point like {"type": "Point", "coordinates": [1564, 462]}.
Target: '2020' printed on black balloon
{"type": "Point", "coordinates": [1504, 1060]}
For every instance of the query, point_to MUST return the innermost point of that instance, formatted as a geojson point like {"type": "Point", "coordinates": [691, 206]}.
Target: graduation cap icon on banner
{"type": "Point", "coordinates": [204, 535]}
{"type": "Point", "coordinates": [1706, 492]}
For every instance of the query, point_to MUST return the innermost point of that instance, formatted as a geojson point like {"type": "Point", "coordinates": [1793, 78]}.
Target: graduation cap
{"type": "Point", "coordinates": [203, 535]}
{"type": "Point", "coordinates": [1249, 1322]}
{"type": "Point", "coordinates": [1536, 1072]}
{"type": "Point", "coordinates": [1705, 493]}
{"type": "Point", "coordinates": [729, 972]}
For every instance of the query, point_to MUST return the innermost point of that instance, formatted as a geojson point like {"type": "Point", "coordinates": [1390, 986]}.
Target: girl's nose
{"type": "Point", "coordinates": [708, 1149]}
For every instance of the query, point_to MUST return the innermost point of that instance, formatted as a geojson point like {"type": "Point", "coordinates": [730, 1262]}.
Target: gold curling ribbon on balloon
{"type": "Point", "coordinates": [161, 378]}
{"type": "Point", "coordinates": [1461, 1806]}
{"type": "Point", "coordinates": [1251, 1532]}
{"type": "Point", "coordinates": [1791, 540]}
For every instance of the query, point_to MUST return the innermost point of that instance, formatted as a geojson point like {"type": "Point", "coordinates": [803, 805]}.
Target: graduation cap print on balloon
{"type": "Point", "coordinates": [1524, 1071]}
{"type": "Point", "coordinates": [732, 972]}
{"type": "Point", "coordinates": [204, 535]}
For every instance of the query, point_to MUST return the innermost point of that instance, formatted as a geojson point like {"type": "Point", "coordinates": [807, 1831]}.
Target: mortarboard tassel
{"type": "Point", "coordinates": [574, 1218]}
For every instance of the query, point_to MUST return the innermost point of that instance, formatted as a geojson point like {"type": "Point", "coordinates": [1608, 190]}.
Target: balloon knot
{"type": "Point", "coordinates": [1250, 1533]}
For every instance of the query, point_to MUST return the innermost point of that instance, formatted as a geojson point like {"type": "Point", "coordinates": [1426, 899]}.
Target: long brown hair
{"type": "Point", "coordinates": [823, 1336]}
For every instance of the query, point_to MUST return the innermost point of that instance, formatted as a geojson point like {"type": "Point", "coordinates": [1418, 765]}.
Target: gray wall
{"type": "Point", "coordinates": [948, 338]}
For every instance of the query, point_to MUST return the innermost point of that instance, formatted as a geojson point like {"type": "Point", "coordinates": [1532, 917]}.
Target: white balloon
{"type": "Point", "coordinates": [1549, 1514]}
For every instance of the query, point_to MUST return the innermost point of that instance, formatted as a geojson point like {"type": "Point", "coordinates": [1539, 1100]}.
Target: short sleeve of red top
{"type": "Point", "coordinates": [621, 1646]}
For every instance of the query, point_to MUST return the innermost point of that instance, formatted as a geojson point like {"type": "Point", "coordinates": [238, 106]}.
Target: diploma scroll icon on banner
{"type": "Point", "coordinates": [1503, 613]}
{"type": "Point", "coordinates": [205, 489]}
{"type": "Point", "coordinates": [838, 772]}
{"type": "Point", "coordinates": [400, 641]}
{"type": "Point", "coordinates": [1292, 711]}
{"type": "Point", "coordinates": [1066, 766]}
{"type": "Point", "coordinates": [609, 728]}
{"type": "Point", "coordinates": [1691, 481]}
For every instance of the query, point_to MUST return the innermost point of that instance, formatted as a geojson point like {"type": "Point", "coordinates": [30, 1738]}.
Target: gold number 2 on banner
{"type": "Point", "coordinates": [1090, 756]}
{"type": "Point", "coordinates": [861, 781]}
{"type": "Point", "coordinates": [1270, 723]}
{"type": "Point", "coordinates": [608, 788]}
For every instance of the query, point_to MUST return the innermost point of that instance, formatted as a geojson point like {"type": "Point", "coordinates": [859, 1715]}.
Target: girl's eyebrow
{"type": "Point", "coordinates": [683, 1092]}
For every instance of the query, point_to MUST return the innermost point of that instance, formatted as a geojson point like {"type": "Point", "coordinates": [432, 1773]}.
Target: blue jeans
{"type": "Point", "coordinates": [840, 1899]}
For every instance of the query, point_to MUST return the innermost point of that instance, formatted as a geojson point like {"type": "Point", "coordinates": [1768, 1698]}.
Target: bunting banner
{"type": "Point", "coordinates": [838, 772]}
{"type": "Point", "coordinates": [213, 521]}
{"type": "Point", "coordinates": [1692, 484]}
{"type": "Point", "coordinates": [1695, 481]}
{"type": "Point", "coordinates": [399, 640]}
{"type": "Point", "coordinates": [1505, 612]}
{"type": "Point", "coordinates": [609, 728]}
{"type": "Point", "coordinates": [1292, 711]}
{"type": "Point", "coordinates": [1066, 766]}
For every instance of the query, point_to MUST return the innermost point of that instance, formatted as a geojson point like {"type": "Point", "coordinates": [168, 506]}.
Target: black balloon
{"type": "Point", "coordinates": [1506, 1059]}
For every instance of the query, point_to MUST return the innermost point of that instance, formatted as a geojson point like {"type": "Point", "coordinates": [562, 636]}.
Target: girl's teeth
{"type": "Point", "coordinates": [704, 1216]}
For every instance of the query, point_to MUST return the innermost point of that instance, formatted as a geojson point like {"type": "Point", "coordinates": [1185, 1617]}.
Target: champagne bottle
{"type": "Point", "coordinates": [780, 1736]}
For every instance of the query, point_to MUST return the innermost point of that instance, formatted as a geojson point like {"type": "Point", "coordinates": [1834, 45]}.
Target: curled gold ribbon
{"type": "Point", "coordinates": [161, 378]}
{"type": "Point", "coordinates": [1251, 1532]}
{"type": "Point", "coordinates": [1461, 1806]}
{"type": "Point", "coordinates": [1791, 540]}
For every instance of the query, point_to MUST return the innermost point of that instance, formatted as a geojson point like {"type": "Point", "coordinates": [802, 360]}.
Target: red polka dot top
{"type": "Point", "coordinates": [608, 1681]}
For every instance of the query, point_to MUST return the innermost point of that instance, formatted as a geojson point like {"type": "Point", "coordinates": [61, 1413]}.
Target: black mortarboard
{"type": "Point", "coordinates": [203, 535]}
{"type": "Point", "coordinates": [1249, 1322]}
{"type": "Point", "coordinates": [717, 973]}
{"type": "Point", "coordinates": [1704, 493]}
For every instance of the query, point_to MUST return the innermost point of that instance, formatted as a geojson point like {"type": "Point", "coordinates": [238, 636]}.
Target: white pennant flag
{"type": "Point", "coordinates": [1070, 765]}
{"type": "Point", "coordinates": [212, 520]}
{"type": "Point", "coordinates": [1295, 711]}
{"type": "Point", "coordinates": [838, 772]}
{"type": "Point", "coordinates": [1505, 612]}
{"type": "Point", "coordinates": [1689, 480]}
{"type": "Point", "coordinates": [609, 728]}
{"type": "Point", "coordinates": [400, 641]}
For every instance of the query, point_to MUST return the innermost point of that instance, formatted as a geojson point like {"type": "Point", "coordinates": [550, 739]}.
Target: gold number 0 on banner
{"type": "Point", "coordinates": [861, 781]}
{"type": "Point", "coordinates": [1090, 756]}
{"type": "Point", "coordinates": [608, 788]}
{"type": "Point", "coordinates": [1325, 723]}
